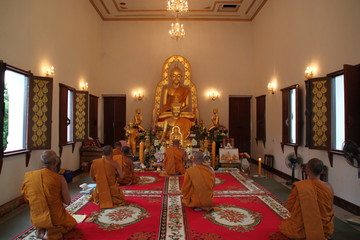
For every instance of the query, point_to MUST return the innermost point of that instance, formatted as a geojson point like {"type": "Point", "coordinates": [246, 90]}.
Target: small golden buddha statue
{"type": "Point", "coordinates": [215, 119]}
{"type": "Point", "coordinates": [133, 134]}
{"type": "Point", "coordinates": [138, 119]}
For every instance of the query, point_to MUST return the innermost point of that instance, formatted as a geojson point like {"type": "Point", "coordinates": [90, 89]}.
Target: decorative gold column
{"type": "Point", "coordinates": [141, 152]}
{"type": "Point", "coordinates": [213, 154]}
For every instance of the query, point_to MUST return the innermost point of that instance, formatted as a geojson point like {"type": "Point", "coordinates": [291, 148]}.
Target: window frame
{"type": "Point", "coordinates": [286, 111]}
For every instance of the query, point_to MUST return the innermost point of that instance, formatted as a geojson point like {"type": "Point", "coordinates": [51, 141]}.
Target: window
{"type": "Point", "coordinates": [338, 112]}
{"type": "Point", "coordinates": [332, 110]}
{"type": "Point", "coordinates": [15, 115]}
{"type": "Point", "coordinates": [26, 113]}
{"type": "Point", "coordinates": [291, 129]}
{"type": "Point", "coordinates": [73, 115]}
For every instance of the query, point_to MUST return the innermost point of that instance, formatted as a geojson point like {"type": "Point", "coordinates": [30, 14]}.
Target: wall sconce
{"type": "Point", "coordinates": [213, 95]}
{"type": "Point", "coordinates": [309, 72]}
{"type": "Point", "coordinates": [50, 71]}
{"type": "Point", "coordinates": [271, 87]}
{"type": "Point", "coordinates": [84, 86]}
{"type": "Point", "coordinates": [138, 95]}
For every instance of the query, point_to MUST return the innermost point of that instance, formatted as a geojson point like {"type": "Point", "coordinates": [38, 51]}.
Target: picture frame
{"type": "Point", "coordinates": [229, 155]}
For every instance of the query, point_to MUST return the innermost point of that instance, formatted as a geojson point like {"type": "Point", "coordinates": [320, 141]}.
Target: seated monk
{"type": "Point", "coordinates": [199, 182]}
{"type": "Point", "coordinates": [310, 206]}
{"type": "Point", "coordinates": [127, 167]}
{"type": "Point", "coordinates": [174, 159]}
{"type": "Point", "coordinates": [47, 191]}
{"type": "Point", "coordinates": [104, 172]}
{"type": "Point", "coordinates": [117, 148]}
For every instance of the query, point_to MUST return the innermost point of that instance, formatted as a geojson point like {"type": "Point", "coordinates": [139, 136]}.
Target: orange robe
{"type": "Point", "coordinates": [117, 151]}
{"type": "Point", "coordinates": [42, 189]}
{"type": "Point", "coordinates": [181, 93]}
{"type": "Point", "coordinates": [174, 161]}
{"type": "Point", "coordinates": [197, 189]}
{"type": "Point", "coordinates": [106, 194]}
{"type": "Point", "coordinates": [310, 206]}
{"type": "Point", "coordinates": [127, 168]}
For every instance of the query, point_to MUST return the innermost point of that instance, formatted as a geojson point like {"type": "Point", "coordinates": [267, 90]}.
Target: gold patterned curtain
{"type": "Point", "coordinates": [40, 112]}
{"type": "Point", "coordinates": [318, 113]}
{"type": "Point", "coordinates": [80, 116]}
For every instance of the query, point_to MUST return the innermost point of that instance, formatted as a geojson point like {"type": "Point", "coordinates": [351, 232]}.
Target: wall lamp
{"type": "Point", "coordinates": [309, 72]}
{"type": "Point", "coordinates": [213, 95]}
{"type": "Point", "coordinates": [50, 71]}
{"type": "Point", "coordinates": [271, 87]}
{"type": "Point", "coordinates": [138, 95]}
{"type": "Point", "coordinates": [84, 86]}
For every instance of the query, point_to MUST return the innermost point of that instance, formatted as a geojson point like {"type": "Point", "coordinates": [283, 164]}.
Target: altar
{"type": "Point", "coordinates": [175, 116]}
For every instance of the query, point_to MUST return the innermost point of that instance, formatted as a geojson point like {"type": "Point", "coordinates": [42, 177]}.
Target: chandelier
{"type": "Point", "coordinates": [178, 7]}
{"type": "Point", "coordinates": [177, 31]}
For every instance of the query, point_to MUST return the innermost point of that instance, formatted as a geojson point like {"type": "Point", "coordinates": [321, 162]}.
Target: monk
{"type": "Point", "coordinates": [46, 191]}
{"type": "Point", "coordinates": [127, 167]}
{"type": "Point", "coordinates": [104, 172]}
{"type": "Point", "coordinates": [117, 148]}
{"type": "Point", "coordinates": [310, 206]}
{"type": "Point", "coordinates": [199, 182]}
{"type": "Point", "coordinates": [174, 159]}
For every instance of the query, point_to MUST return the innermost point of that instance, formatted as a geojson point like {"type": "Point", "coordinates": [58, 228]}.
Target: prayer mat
{"type": "Point", "coordinates": [243, 210]}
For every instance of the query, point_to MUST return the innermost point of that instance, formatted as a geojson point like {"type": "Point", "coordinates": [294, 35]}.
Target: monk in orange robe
{"type": "Point", "coordinates": [117, 148]}
{"type": "Point", "coordinates": [310, 206]}
{"type": "Point", "coordinates": [127, 167]}
{"type": "Point", "coordinates": [104, 172]}
{"type": "Point", "coordinates": [174, 159]}
{"type": "Point", "coordinates": [199, 182]}
{"type": "Point", "coordinates": [46, 191]}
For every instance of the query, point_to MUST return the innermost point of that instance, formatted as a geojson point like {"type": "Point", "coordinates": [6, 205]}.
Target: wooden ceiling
{"type": "Point", "coordinates": [199, 10]}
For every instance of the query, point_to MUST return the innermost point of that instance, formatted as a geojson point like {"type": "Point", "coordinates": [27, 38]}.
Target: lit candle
{"type": "Point", "coordinates": [213, 154]}
{"type": "Point", "coordinates": [141, 152]}
{"type": "Point", "coordinates": [259, 167]}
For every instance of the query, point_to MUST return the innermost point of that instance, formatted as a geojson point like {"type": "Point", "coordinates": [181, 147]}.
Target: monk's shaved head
{"type": "Point", "coordinates": [316, 166]}
{"type": "Point", "coordinates": [198, 157]}
{"type": "Point", "coordinates": [107, 150]}
{"type": "Point", "coordinates": [48, 157]}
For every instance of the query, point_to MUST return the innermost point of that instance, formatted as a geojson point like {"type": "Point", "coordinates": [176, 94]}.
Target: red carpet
{"type": "Point", "coordinates": [244, 210]}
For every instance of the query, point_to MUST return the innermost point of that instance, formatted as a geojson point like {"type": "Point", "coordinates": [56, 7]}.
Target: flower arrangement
{"type": "Point", "coordinates": [244, 155]}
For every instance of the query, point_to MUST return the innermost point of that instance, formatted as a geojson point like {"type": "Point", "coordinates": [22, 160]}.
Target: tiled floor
{"type": "Point", "coordinates": [16, 222]}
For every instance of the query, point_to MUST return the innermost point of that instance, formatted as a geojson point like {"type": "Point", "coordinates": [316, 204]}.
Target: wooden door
{"type": "Point", "coordinates": [93, 116]}
{"type": "Point", "coordinates": [240, 122]}
{"type": "Point", "coordinates": [114, 119]}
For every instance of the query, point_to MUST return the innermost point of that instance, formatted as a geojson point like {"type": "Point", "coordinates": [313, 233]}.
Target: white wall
{"type": "Point", "coordinates": [35, 35]}
{"type": "Point", "coordinates": [288, 36]}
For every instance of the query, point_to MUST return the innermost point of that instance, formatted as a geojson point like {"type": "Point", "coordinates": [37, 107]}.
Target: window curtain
{"type": "Point", "coordinates": [40, 112]}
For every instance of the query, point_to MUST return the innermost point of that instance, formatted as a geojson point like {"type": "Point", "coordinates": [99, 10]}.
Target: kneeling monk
{"type": "Point", "coordinates": [310, 206]}
{"type": "Point", "coordinates": [174, 159]}
{"type": "Point", "coordinates": [199, 182]}
{"type": "Point", "coordinates": [46, 191]}
{"type": "Point", "coordinates": [104, 172]}
{"type": "Point", "coordinates": [127, 167]}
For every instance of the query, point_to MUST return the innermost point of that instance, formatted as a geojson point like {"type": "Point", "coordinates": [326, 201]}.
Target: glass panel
{"type": "Point", "coordinates": [70, 116]}
{"type": "Point", "coordinates": [338, 114]}
{"type": "Point", "coordinates": [292, 116]}
{"type": "Point", "coordinates": [15, 117]}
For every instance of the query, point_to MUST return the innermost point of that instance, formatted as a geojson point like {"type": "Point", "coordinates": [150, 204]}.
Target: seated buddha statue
{"type": "Point", "coordinates": [176, 92]}
{"type": "Point", "coordinates": [138, 119]}
{"type": "Point", "coordinates": [215, 119]}
{"type": "Point", "coordinates": [176, 120]}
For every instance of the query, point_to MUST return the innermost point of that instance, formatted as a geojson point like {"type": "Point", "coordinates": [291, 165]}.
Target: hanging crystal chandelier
{"type": "Point", "coordinates": [177, 31]}
{"type": "Point", "coordinates": [178, 7]}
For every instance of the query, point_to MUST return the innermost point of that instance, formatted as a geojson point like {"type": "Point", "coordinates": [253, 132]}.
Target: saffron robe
{"type": "Point", "coordinates": [117, 151]}
{"type": "Point", "coordinates": [127, 168]}
{"type": "Point", "coordinates": [310, 206]}
{"type": "Point", "coordinates": [106, 194]}
{"type": "Point", "coordinates": [42, 189]}
{"type": "Point", "coordinates": [174, 161]}
{"type": "Point", "coordinates": [197, 189]}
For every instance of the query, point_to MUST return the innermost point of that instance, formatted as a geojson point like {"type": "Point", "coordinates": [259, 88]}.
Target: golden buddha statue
{"type": "Point", "coordinates": [215, 119]}
{"type": "Point", "coordinates": [133, 134]}
{"type": "Point", "coordinates": [176, 120]}
{"type": "Point", "coordinates": [138, 119]}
